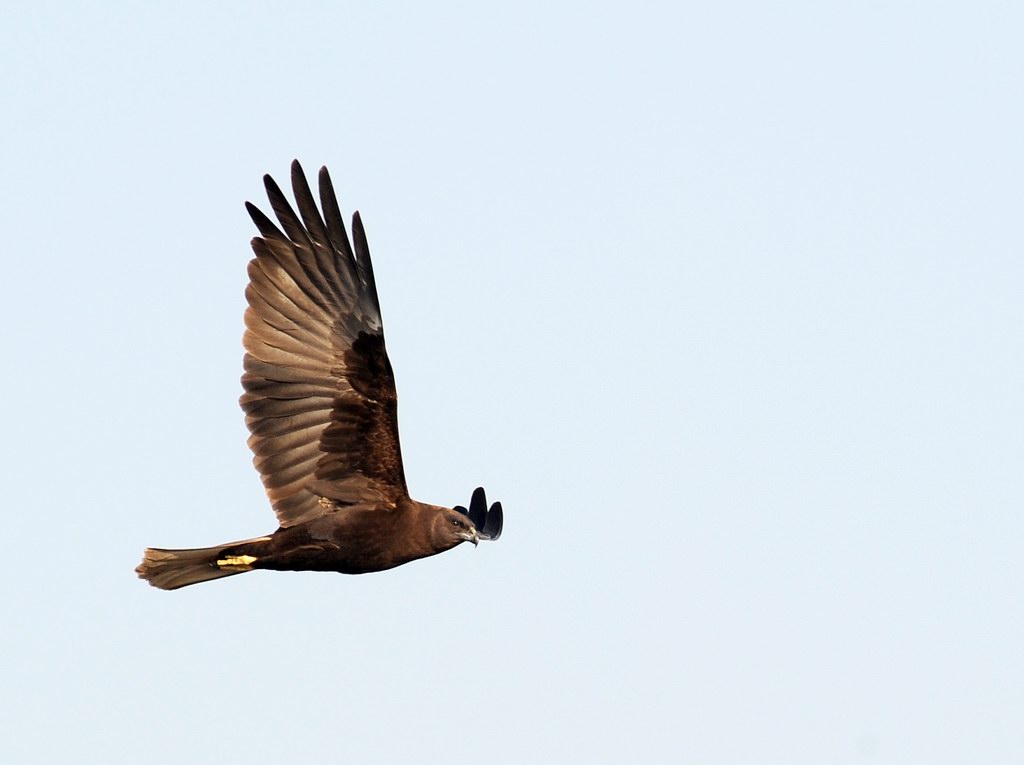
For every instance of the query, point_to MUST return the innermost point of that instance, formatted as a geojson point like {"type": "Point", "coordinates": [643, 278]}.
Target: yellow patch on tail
{"type": "Point", "coordinates": [237, 561]}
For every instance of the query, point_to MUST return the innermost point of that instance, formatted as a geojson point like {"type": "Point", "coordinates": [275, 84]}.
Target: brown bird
{"type": "Point", "coordinates": [321, 406]}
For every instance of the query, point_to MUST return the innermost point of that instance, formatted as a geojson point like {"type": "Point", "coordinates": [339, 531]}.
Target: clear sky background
{"type": "Point", "coordinates": [724, 301]}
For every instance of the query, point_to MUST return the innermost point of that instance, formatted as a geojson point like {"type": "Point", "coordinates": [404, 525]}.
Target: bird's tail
{"type": "Point", "coordinates": [171, 569]}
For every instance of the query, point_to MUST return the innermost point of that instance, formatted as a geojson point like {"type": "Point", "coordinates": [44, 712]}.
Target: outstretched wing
{"type": "Point", "coordinates": [319, 397]}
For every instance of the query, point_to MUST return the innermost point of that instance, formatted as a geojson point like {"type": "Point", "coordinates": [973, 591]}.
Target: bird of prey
{"type": "Point", "coordinates": [321, 406]}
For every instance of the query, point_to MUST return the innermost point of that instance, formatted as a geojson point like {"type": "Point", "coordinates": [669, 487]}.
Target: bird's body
{"type": "Point", "coordinates": [321, 406]}
{"type": "Point", "coordinates": [353, 540]}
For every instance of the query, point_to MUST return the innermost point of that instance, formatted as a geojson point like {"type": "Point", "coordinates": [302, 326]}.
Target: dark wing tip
{"type": "Point", "coordinates": [478, 509]}
{"type": "Point", "coordinates": [273, 191]}
{"type": "Point", "coordinates": [494, 522]}
{"type": "Point", "coordinates": [488, 522]}
{"type": "Point", "coordinates": [267, 228]}
{"type": "Point", "coordinates": [478, 501]}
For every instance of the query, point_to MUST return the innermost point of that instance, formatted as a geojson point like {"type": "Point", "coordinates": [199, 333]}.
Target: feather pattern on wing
{"type": "Point", "coordinates": [320, 398]}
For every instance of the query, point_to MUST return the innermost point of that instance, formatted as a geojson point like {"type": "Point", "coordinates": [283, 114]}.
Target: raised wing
{"type": "Point", "coordinates": [488, 522]}
{"type": "Point", "coordinates": [319, 397]}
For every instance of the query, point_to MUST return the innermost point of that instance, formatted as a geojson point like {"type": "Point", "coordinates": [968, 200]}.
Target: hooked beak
{"type": "Point", "coordinates": [471, 536]}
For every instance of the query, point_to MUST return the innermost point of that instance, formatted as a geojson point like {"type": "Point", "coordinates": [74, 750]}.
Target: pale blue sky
{"type": "Point", "coordinates": [723, 301]}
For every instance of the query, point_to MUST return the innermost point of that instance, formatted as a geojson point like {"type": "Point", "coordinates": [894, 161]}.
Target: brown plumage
{"type": "Point", "coordinates": [321, 406]}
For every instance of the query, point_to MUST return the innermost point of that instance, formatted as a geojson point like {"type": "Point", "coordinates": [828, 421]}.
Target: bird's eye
{"type": "Point", "coordinates": [456, 522]}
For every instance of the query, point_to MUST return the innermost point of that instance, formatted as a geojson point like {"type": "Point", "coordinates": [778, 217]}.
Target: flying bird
{"type": "Point", "coordinates": [322, 410]}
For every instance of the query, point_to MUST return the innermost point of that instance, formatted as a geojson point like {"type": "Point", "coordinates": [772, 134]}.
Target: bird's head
{"type": "Point", "coordinates": [451, 528]}
{"type": "Point", "coordinates": [454, 525]}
